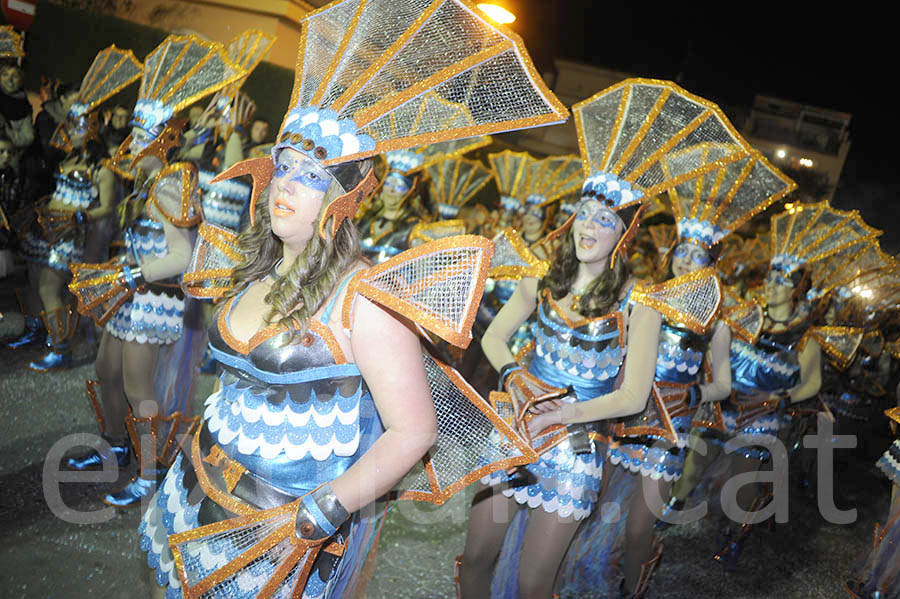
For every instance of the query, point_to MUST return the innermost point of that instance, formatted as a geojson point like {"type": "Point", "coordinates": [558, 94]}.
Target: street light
{"type": "Point", "coordinates": [780, 153]}
{"type": "Point", "coordinates": [497, 13]}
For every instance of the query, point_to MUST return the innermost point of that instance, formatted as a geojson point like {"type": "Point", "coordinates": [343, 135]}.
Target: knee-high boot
{"type": "Point", "coordinates": [61, 326]}
{"type": "Point", "coordinates": [119, 448]}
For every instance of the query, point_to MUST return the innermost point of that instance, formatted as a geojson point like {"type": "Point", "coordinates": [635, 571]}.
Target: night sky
{"type": "Point", "coordinates": [730, 52]}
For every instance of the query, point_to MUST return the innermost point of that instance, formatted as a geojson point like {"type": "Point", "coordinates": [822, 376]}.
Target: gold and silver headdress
{"type": "Point", "coordinates": [715, 204]}
{"type": "Point", "coordinates": [246, 51]}
{"type": "Point", "coordinates": [112, 71]}
{"type": "Point", "coordinates": [11, 43]}
{"type": "Point", "coordinates": [385, 75]}
{"type": "Point", "coordinates": [454, 182]}
{"type": "Point", "coordinates": [808, 233]}
{"type": "Point", "coordinates": [835, 272]}
{"type": "Point", "coordinates": [524, 180]}
{"type": "Point", "coordinates": [627, 133]}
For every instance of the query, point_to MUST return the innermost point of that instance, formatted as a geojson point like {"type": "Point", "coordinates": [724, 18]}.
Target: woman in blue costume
{"type": "Point", "coordinates": [82, 203]}
{"type": "Point", "coordinates": [315, 420]}
{"type": "Point", "coordinates": [149, 319]}
{"type": "Point", "coordinates": [582, 315]}
{"type": "Point", "coordinates": [767, 376]}
{"type": "Point", "coordinates": [384, 229]}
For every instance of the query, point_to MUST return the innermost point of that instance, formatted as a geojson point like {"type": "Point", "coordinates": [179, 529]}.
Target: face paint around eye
{"type": "Point", "coordinates": [312, 180]}
{"type": "Point", "coordinates": [681, 251]}
{"type": "Point", "coordinates": [700, 258]}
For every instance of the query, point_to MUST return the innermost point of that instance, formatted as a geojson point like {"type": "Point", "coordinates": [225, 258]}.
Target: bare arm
{"type": "Point", "coordinates": [399, 387]}
{"type": "Point", "coordinates": [178, 241]}
{"type": "Point", "coordinates": [810, 372]}
{"type": "Point", "coordinates": [720, 359]}
{"type": "Point", "coordinates": [234, 151]}
{"type": "Point", "coordinates": [107, 187]}
{"type": "Point", "coordinates": [516, 311]}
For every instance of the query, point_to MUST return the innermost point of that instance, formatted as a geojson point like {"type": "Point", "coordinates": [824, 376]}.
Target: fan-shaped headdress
{"type": "Point", "coordinates": [524, 180]}
{"type": "Point", "coordinates": [384, 75]}
{"type": "Point", "coordinates": [835, 272]}
{"type": "Point", "coordinates": [454, 182]}
{"type": "Point", "coordinates": [112, 71]}
{"type": "Point", "coordinates": [808, 233]}
{"type": "Point", "coordinates": [11, 43]}
{"type": "Point", "coordinates": [246, 51]}
{"type": "Point", "coordinates": [715, 204]}
{"type": "Point", "coordinates": [629, 131]}
{"type": "Point", "coordinates": [177, 73]}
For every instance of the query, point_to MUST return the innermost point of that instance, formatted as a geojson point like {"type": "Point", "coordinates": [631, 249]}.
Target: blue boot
{"type": "Point", "coordinates": [33, 335]}
{"type": "Point", "coordinates": [135, 491]}
{"type": "Point", "coordinates": [673, 505]}
{"type": "Point", "coordinates": [61, 328]}
{"type": "Point", "coordinates": [93, 460]}
{"type": "Point", "coordinates": [58, 358]}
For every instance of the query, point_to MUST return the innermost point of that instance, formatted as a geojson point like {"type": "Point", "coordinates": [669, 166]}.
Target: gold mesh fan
{"type": "Point", "coordinates": [692, 299]}
{"type": "Point", "coordinates": [454, 182]}
{"type": "Point", "coordinates": [473, 440]}
{"type": "Point", "coordinates": [663, 237]}
{"type": "Point", "coordinates": [628, 129]}
{"type": "Point", "coordinates": [99, 290]}
{"type": "Point", "coordinates": [437, 285]}
{"type": "Point", "coordinates": [212, 264]}
{"type": "Point", "coordinates": [520, 175]}
{"type": "Point", "coordinates": [811, 232]}
{"type": "Point", "coordinates": [839, 343]}
{"type": "Point", "coordinates": [373, 61]}
{"type": "Point", "coordinates": [513, 259]}
{"type": "Point", "coordinates": [715, 203]}
{"type": "Point", "coordinates": [745, 319]}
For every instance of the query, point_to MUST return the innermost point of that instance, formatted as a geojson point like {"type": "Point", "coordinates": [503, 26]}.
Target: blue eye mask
{"type": "Point", "coordinates": [303, 175]}
{"type": "Point", "coordinates": [599, 216]}
{"type": "Point", "coordinates": [699, 258]}
{"type": "Point", "coordinates": [397, 183]}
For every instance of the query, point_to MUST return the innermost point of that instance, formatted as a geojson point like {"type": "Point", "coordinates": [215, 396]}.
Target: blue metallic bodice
{"type": "Point", "coordinates": [770, 366]}
{"type": "Point", "coordinates": [146, 240]}
{"type": "Point", "coordinates": [586, 356]}
{"type": "Point", "coordinates": [680, 354]}
{"type": "Point", "coordinates": [287, 411]}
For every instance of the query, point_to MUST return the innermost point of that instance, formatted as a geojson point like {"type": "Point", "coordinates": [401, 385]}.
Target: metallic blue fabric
{"type": "Point", "coordinates": [766, 366]}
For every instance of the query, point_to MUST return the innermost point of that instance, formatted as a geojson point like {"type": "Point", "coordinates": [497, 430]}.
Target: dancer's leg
{"type": "Point", "coordinates": [112, 393]}
{"type": "Point", "coordinates": [547, 538]}
{"type": "Point", "coordinates": [645, 504]}
{"type": "Point", "coordinates": [489, 518]}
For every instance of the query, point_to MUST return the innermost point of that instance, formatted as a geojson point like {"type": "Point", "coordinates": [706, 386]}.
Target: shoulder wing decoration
{"type": "Point", "coordinates": [212, 264]}
{"type": "Point", "coordinates": [174, 194]}
{"type": "Point", "coordinates": [473, 440]}
{"type": "Point", "coordinates": [437, 285]}
{"type": "Point", "coordinates": [745, 319]}
{"type": "Point", "coordinates": [692, 299]}
{"type": "Point", "coordinates": [512, 258]}
{"type": "Point", "coordinates": [840, 343]}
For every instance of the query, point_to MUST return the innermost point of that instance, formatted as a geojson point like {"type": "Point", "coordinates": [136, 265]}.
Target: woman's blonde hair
{"type": "Point", "coordinates": [299, 294]}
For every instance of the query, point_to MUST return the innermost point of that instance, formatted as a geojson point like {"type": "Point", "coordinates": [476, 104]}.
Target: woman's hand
{"type": "Point", "coordinates": [543, 421]}
{"type": "Point", "coordinates": [547, 405]}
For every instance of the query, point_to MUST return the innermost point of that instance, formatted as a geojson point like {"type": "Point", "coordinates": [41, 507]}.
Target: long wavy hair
{"type": "Point", "coordinates": [601, 295]}
{"type": "Point", "coordinates": [299, 294]}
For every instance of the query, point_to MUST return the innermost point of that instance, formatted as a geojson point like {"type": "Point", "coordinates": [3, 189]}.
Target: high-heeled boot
{"type": "Point", "coordinates": [61, 327]}
{"type": "Point", "coordinates": [156, 441]}
{"type": "Point", "coordinates": [731, 552]}
{"type": "Point", "coordinates": [34, 328]}
{"type": "Point", "coordinates": [673, 505]}
{"type": "Point", "coordinates": [119, 447]}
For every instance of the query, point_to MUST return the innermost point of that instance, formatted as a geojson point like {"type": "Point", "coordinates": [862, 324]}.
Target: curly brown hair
{"type": "Point", "coordinates": [298, 295]}
{"type": "Point", "coordinates": [601, 295]}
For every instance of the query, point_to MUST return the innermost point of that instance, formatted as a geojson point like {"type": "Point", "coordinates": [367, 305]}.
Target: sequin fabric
{"type": "Point", "coordinates": [676, 362]}
{"type": "Point", "coordinates": [768, 366]}
{"type": "Point", "coordinates": [588, 357]}
{"type": "Point", "coordinates": [75, 190]}
{"type": "Point", "coordinates": [889, 462]}
{"type": "Point", "coordinates": [223, 202]}
{"type": "Point", "coordinates": [152, 316]}
{"type": "Point", "coordinates": [292, 417]}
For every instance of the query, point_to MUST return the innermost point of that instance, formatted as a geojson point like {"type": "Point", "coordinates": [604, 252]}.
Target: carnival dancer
{"type": "Point", "coordinates": [784, 366]}
{"type": "Point", "coordinates": [221, 143]}
{"type": "Point", "coordinates": [387, 222]}
{"type": "Point", "coordinates": [652, 443]}
{"type": "Point", "coordinates": [587, 316]}
{"type": "Point", "coordinates": [147, 314]}
{"type": "Point", "coordinates": [528, 186]}
{"type": "Point", "coordinates": [85, 196]}
{"type": "Point", "coordinates": [315, 420]}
